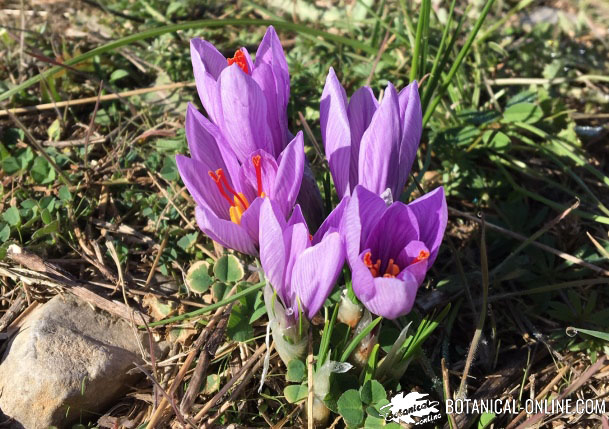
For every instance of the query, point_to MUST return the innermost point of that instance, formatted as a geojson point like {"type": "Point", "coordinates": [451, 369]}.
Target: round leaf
{"type": "Point", "coordinates": [296, 371]}
{"type": "Point", "coordinates": [228, 269]}
{"type": "Point", "coordinates": [11, 216]}
{"type": "Point", "coordinates": [295, 393]}
{"type": "Point", "coordinates": [198, 279]}
{"type": "Point", "coordinates": [351, 408]}
{"type": "Point", "coordinates": [372, 392]}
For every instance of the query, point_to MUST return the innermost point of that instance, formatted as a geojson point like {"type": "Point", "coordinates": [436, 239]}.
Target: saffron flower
{"type": "Point", "coordinates": [390, 248]}
{"type": "Point", "coordinates": [229, 192]}
{"type": "Point", "coordinates": [367, 143]}
{"type": "Point", "coordinates": [302, 270]}
{"type": "Point", "coordinates": [247, 100]}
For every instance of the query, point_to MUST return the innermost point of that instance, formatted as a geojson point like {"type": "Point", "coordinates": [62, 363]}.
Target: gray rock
{"type": "Point", "coordinates": [67, 361]}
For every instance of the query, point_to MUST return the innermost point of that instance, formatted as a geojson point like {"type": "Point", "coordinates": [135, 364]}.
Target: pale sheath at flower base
{"type": "Point", "coordinates": [302, 270]}
{"type": "Point", "coordinates": [229, 192]}
{"type": "Point", "coordinates": [390, 248]}
{"type": "Point", "coordinates": [367, 143]}
{"type": "Point", "coordinates": [247, 100]}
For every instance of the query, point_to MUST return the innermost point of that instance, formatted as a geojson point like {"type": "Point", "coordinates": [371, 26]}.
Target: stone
{"type": "Point", "coordinates": [67, 361]}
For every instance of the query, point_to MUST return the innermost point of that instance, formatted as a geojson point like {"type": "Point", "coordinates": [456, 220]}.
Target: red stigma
{"type": "Point", "coordinates": [423, 254]}
{"type": "Point", "coordinates": [256, 161]}
{"type": "Point", "coordinates": [239, 59]}
{"type": "Point", "coordinates": [217, 179]}
{"type": "Point", "coordinates": [222, 177]}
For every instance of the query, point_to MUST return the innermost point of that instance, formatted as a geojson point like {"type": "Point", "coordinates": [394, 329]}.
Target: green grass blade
{"type": "Point", "coordinates": [425, 37]}
{"type": "Point", "coordinates": [211, 307]}
{"type": "Point", "coordinates": [414, 70]}
{"type": "Point", "coordinates": [324, 345]}
{"type": "Point", "coordinates": [460, 57]}
{"type": "Point", "coordinates": [440, 55]}
{"type": "Point", "coordinates": [358, 339]}
{"type": "Point", "coordinates": [205, 23]}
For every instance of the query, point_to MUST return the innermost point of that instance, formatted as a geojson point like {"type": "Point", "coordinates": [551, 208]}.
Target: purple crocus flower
{"type": "Point", "coordinates": [390, 248]}
{"type": "Point", "coordinates": [247, 100]}
{"type": "Point", "coordinates": [228, 191]}
{"type": "Point", "coordinates": [367, 143]}
{"type": "Point", "coordinates": [301, 268]}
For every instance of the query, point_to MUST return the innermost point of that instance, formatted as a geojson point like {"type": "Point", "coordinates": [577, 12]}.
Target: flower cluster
{"type": "Point", "coordinates": [255, 193]}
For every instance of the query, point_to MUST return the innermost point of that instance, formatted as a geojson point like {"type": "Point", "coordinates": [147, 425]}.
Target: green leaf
{"type": "Point", "coordinates": [11, 216]}
{"type": "Point", "coordinates": [5, 232]}
{"type": "Point", "coordinates": [351, 408]}
{"type": "Point", "coordinates": [64, 194]}
{"type": "Point", "coordinates": [10, 165]}
{"type": "Point", "coordinates": [496, 140]}
{"type": "Point", "coordinates": [46, 217]}
{"type": "Point", "coordinates": [228, 269]}
{"type": "Point", "coordinates": [523, 112]}
{"type": "Point", "coordinates": [198, 279]}
{"type": "Point", "coordinates": [46, 230]}
{"type": "Point", "coordinates": [296, 371]}
{"type": "Point", "coordinates": [295, 393]}
{"type": "Point", "coordinates": [239, 327]}
{"type": "Point", "coordinates": [485, 420]}
{"type": "Point", "coordinates": [118, 74]}
{"type": "Point", "coordinates": [54, 130]}
{"type": "Point", "coordinates": [211, 384]}
{"type": "Point", "coordinates": [170, 169]}
{"type": "Point", "coordinates": [187, 240]}
{"type": "Point", "coordinates": [372, 392]}
{"type": "Point", "coordinates": [597, 334]}
{"type": "Point", "coordinates": [41, 171]}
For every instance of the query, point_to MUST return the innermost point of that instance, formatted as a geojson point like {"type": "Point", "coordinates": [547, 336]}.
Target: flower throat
{"type": "Point", "coordinates": [239, 203]}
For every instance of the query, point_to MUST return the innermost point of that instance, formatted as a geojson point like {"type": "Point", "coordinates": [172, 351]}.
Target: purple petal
{"type": "Point", "coordinates": [379, 151]}
{"type": "Point", "coordinates": [273, 253]}
{"type": "Point", "coordinates": [201, 186]}
{"type": "Point", "coordinates": [250, 219]}
{"type": "Point", "coordinates": [432, 214]}
{"type": "Point", "coordinates": [362, 107]}
{"type": "Point", "coordinates": [244, 113]}
{"type": "Point", "coordinates": [335, 132]}
{"type": "Point", "coordinates": [211, 60]}
{"type": "Point", "coordinates": [271, 81]}
{"type": "Point", "coordinates": [289, 174]}
{"type": "Point", "coordinates": [412, 127]}
{"type": "Point", "coordinates": [207, 85]}
{"type": "Point", "coordinates": [315, 273]}
{"type": "Point", "coordinates": [207, 143]}
{"type": "Point", "coordinates": [268, 170]}
{"type": "Point", "coordinates": [297, 216]}
{"type": "Point", "coordinates": [396, 228]}
{"type": "Point", "coordinates": [392, 297]}
{"type": "Point", "coordinates": [407, 259]}
{"type": "Point", "coordinates": [203, 145]}
{"type": "Point", "coordinates": [270, 51]}
{"type": "Point", "coordinates": [362, 213]}
{"type": "Point", "coordinates": [333, 221]}
{"type": "Point", "coordinates": [225, 232]}
{"type": "Point", "coordinates": [295, 241]}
